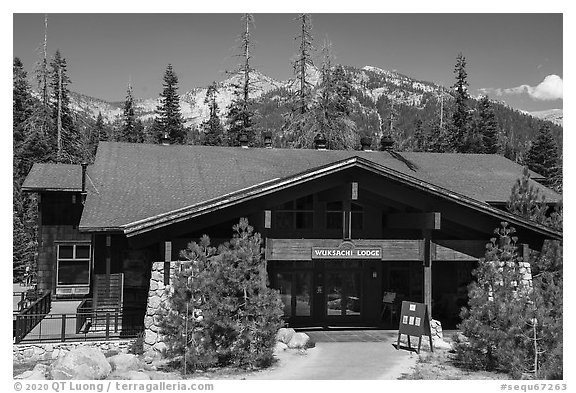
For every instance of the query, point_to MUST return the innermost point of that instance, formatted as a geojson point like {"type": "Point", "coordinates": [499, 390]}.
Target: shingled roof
{"type": "Point", "coordinates": [54, 177]}
{"type": "Point", "coordinates": [133, 182]}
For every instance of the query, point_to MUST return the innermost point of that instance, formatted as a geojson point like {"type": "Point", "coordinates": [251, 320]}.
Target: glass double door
{"type": "Point", "coordinates": [328, 292]}
{"type": "Point", "coordinates": [296, 293]}
{"type": "Point", "coordinates": [343, 293]}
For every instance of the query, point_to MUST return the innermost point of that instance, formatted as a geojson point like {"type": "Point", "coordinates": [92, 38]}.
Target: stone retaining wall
{"type": "Point", "coordinates": [42, 351]}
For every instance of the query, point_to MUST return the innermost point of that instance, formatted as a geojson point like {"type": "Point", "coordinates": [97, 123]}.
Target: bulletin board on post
{"type": "Point", "coordinates": [415, 322]}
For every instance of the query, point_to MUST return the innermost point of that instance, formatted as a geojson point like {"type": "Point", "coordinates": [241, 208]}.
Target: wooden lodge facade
{"type": "Point", "coordinates": [342, 230]}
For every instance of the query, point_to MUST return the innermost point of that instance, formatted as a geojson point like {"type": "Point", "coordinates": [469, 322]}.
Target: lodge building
{"type": "Point", "coordinates": [344, 232]}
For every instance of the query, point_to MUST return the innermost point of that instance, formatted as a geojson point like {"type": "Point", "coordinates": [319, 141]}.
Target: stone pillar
{"type": "Point", "coordinates": [526, 272]}
{"type": "Point", "coordinates": [157, 295]}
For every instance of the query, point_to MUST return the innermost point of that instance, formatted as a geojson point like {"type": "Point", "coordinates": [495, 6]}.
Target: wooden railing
{"type": "Point", "coordinates": [30, 316]}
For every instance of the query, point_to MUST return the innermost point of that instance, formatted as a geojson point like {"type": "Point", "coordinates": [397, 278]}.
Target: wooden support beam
{"type": "Point", "coordinates": [108, 256]}
{"type": "Point", "coordinates": [167, 259]}
{"type": "Point", "coordinates": [413, 220]}
{"type": "Point", "coordinates": [427, 262]}
{"type": "Point", "coordinates": [524, 251]}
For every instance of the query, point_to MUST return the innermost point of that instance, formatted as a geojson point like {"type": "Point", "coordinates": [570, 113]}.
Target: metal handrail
{"type": "Point", "coordinates": [30, 316]}
{"type": "Point", "coordinates": [99, 324]}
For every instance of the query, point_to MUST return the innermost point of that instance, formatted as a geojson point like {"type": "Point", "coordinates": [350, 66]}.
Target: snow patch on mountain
{"type": "Point", "coordinates": [93, 106]}
{"type": "Point", "coordinates": [554, 115]}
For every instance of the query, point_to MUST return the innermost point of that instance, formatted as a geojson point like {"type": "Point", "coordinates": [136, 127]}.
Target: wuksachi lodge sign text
{"type": "Point", "coordinates": [346, 253]}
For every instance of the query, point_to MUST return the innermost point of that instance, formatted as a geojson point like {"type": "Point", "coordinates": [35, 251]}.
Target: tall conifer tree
{"type": "Point", "coordinates": [67, 138]}
{"type": "Point", "coordinates": [240, 114]}
{"type": "Point", "coordinates": [487, 126]}
{"type": "Point", "coordinates": [542, 157]}
{"type": "Point", "coordinates": [297, 122]}
{"type": "Point", "coordinates": [302, 65]}
{"type": "Point", "coordinates": [461, 115]}
{"type": "Point", "coordinates": [100, 128]}
{"type": "Point", "coordinates": [42, 115]}
{"type": "Point", "coordinates": [420, 137]}
{"type": "Point", "coordinates": [22, 101]}
{"type": "Point", "coordinates": [131, 130]}
{"type": "Point", "coordinates": [213, 129]}
{"type": "Point", "coordinates": [168, 120]}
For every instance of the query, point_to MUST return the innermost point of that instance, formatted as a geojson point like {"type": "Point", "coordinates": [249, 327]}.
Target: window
{"type": "Point", "coordinates": [297, 214]}
{"type": "Point", "coordinates": [73, 264]}
{"type": "Point", "coordinates": [334, 216]}
{"type": "Point", "coordinates": [357, 217]}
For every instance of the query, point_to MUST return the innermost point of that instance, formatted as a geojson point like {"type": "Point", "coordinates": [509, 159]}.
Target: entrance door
{"type": "Point", "coordinates": [343, 295]}
{"type": "Point", "coordinates": [295, 289]}
{"type": "Point", "coordinates": [343, 289]}
{"type": "Point", "coordinates": [328, 292]}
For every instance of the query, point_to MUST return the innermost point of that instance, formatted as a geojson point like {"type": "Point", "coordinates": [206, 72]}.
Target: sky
{"type": "Point", "coordinates": [516, 58]}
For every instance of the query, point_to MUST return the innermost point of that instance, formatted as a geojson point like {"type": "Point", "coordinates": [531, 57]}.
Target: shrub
{"type": "Point", "coordinates": [220, 311]}
{"type": "Point", "coordinates": [137, 347]}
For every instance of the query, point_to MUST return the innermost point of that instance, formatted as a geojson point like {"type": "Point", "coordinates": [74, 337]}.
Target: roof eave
{"type": "Point", "coordinates": [100, 229]}
{"type": "Point", "coordinates": [50, 189]}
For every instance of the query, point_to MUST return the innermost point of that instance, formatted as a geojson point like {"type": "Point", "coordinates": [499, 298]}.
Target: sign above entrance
{"type": "Point", "coordinates": [346, 251]}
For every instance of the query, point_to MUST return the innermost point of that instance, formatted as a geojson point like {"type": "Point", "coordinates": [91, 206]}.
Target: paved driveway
{"type": "Point", "coordinates": [344, 355]}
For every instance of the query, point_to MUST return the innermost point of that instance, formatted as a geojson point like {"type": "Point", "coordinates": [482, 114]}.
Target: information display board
{"type": "Point", "coordinates": [414, 321]}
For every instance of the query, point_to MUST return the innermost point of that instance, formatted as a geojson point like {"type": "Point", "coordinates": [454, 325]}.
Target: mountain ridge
{"type": "Point", "coordinates": [375, 90]}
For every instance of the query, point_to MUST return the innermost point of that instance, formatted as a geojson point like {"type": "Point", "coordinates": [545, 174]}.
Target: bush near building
{"type": "Point", "coordinates": [513, 325]}
{"type": "Point", "coordinates": [221, 311]}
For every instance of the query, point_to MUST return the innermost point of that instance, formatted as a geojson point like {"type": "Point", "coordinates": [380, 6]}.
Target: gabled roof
{"type": "Point", "coordinates": [278, 184]}
{"type": "Point", "coordinates": [54, 177]}
{"type": "Point", "coordinates": [136, 183]}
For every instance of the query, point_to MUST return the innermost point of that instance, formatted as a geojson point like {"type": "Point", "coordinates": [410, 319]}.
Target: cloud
{"type": "Point", "coordinates": [551, 88]}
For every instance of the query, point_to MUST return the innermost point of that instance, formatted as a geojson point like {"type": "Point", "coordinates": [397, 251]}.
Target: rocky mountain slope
{"type": "Point", "coordinates": [556, 116]}
{"type": "Point", "coordinates": [376, 92]}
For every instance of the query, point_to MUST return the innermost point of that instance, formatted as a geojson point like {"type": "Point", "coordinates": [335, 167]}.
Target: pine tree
{"type": "Point", "coordinates": [42, 122]}
{"type": "Point", "coordinates": [101, 131]}
{"type": "Point", "coordinates": [168, 120]}
{"type": "Point", "coordinates": [67, 136]}
{"type": "Point", "coordinates": [23, 244]}
{"type": "Point", "coordinates": [526, 200]}
{"type": "Point", "coordinates": [331, 108]}
{"type": "Point", "coordinates": [542, 157]}
{"type": "Point", "coordinates": [487, 126]}
{"type": "Point", "coordinates": [22, 101]}
{"type": "Point", "coordinates": [213, 129]}
{"type": "Point", "coordinates": [240, 115]}
{"type": "Point", "coordinates": [302, 64]}
{"type": "Point", "coordinates": [461, 115]}
{"type": "Point", "coordinates": [547, 273]}
{"type": "Point", "coordinates": [420, 142]}
{"type": "Point", "coordinates": [297, 121]}
{"type": "Point", "coordinates": [221, 310]}
{"type": "Point", "coordinates": [500, 306]}
{"type": "Point", "coordinates": [131, 130]}
{"type": "Point", "coordinates": [96, 132]}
